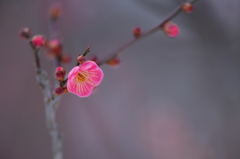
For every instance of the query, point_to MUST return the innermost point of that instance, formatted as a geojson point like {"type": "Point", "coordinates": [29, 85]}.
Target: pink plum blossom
{"type": "Point", "coordinates": [84, 78]}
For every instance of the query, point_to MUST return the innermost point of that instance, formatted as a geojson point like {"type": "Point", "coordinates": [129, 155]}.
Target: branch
{"type": "Point", "coordinates": [50, 102]}
{"type": "Point", "coordinates": [159, 27]}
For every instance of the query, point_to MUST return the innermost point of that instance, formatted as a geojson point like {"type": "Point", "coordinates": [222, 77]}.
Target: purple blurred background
{"type": "Point", "coordinates": [169, 99]}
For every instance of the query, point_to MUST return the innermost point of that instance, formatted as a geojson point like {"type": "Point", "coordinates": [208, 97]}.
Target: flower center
{"type": "Point", "coordinates": [81, 76]}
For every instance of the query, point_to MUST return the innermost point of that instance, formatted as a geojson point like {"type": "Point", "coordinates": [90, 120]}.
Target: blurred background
{"type": "Point", "coordinates": [169, 98]}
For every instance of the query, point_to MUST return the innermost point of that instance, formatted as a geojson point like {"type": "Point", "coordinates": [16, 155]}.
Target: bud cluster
{"type": "Point", "coordinates": [54, 47]}
{"type": "Point", "coordinates": [60, 74]}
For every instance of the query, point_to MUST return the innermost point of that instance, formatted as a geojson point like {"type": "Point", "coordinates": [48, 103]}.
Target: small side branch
{"type": "Point", "coordinates": [122, 48]}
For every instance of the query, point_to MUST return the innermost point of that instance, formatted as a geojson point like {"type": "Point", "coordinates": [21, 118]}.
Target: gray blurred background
{"type": "Point", "coordinates": [169, 99]}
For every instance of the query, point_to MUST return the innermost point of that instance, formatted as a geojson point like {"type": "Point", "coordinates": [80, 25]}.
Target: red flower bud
{"type": "Point", "coordinates": [54, 47]}
{"type": "Point", "coordinates": [60, 90]}
{"type": "Point", "coordinates": [38, 41]}
{"type": "Point", "coordinates": [171, 29]}
{"type": "Point", "coordinates": [114, 61]}
{"type": "Point", "coordinates": [60, 73]}
{"type": "Point", "coordinates": [95, 59]}
{"type": "Point", "coordinates": [55, 11]}
{"type": "Point", "coordinates": [65, 59]}
{"type": "Point", "coordinates": [137, 32]}
{"type": "Point", "coordinates": [187, 7]}
{"type": "Point", "coordinates": [25, 33]}
{"type": "Point", "coordinates": [81, 59]}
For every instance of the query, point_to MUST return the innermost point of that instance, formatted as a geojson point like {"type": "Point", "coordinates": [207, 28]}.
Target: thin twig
{"type": "Point", "coordinates": [122, 48]}
{"type": "Point", "coordinates": [36, 56]}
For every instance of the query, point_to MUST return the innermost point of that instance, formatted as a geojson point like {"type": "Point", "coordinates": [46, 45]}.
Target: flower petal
{"type": "Point", "coordinates": [95, 72]}
{"type": "Point", "coordinates": [83, 89]}
{"type": "Point", "coordinates": [72, 74]}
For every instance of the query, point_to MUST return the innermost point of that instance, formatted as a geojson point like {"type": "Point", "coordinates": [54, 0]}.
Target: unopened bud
{"type": "Point", "coordinates": [114, 61]}
{"type": "Point", "coordinates": [187, 7]}
{"type": "Point", "coordinates": [55, 47]}
{"type": "Point", "coordinates": [60, 90]}
{"type": "Point", "coordinates": [38, 41]}
{"type": "Point", "coordinates": [81, 59]}
{"type": "Point", "coordinates": [95, 59]}
{"type": "Point", "coordinates": [25, 33]}
{"type": "Point", "coordinates": [65, 59]}
{"type": "Point", "coordinates": [137, 32]}
{"type": "Point", "coordinates": [55, 11]}
{"type": "Point", "coordinates": [171, 29]}
{"type": "Point", "coordinates": [60, 73]}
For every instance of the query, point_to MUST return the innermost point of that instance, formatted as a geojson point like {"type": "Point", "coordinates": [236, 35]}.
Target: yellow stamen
{"type": "Point", "coordinates": [81, 76]}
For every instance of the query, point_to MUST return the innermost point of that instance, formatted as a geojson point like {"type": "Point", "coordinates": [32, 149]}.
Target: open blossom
{"type": "Point", "coordinates": [84, 78]}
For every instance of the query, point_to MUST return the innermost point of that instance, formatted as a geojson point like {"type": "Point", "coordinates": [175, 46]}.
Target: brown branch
{"type": "Point", "coordinates": [122, 48]}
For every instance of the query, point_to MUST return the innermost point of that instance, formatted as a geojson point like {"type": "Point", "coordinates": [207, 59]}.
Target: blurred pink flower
{"type": "Point", "coordinates": [84, 78]}
{"type": "Point", "coordinates": [38, 41]}
{"type": "Point", "coordinates": [171, 29]}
